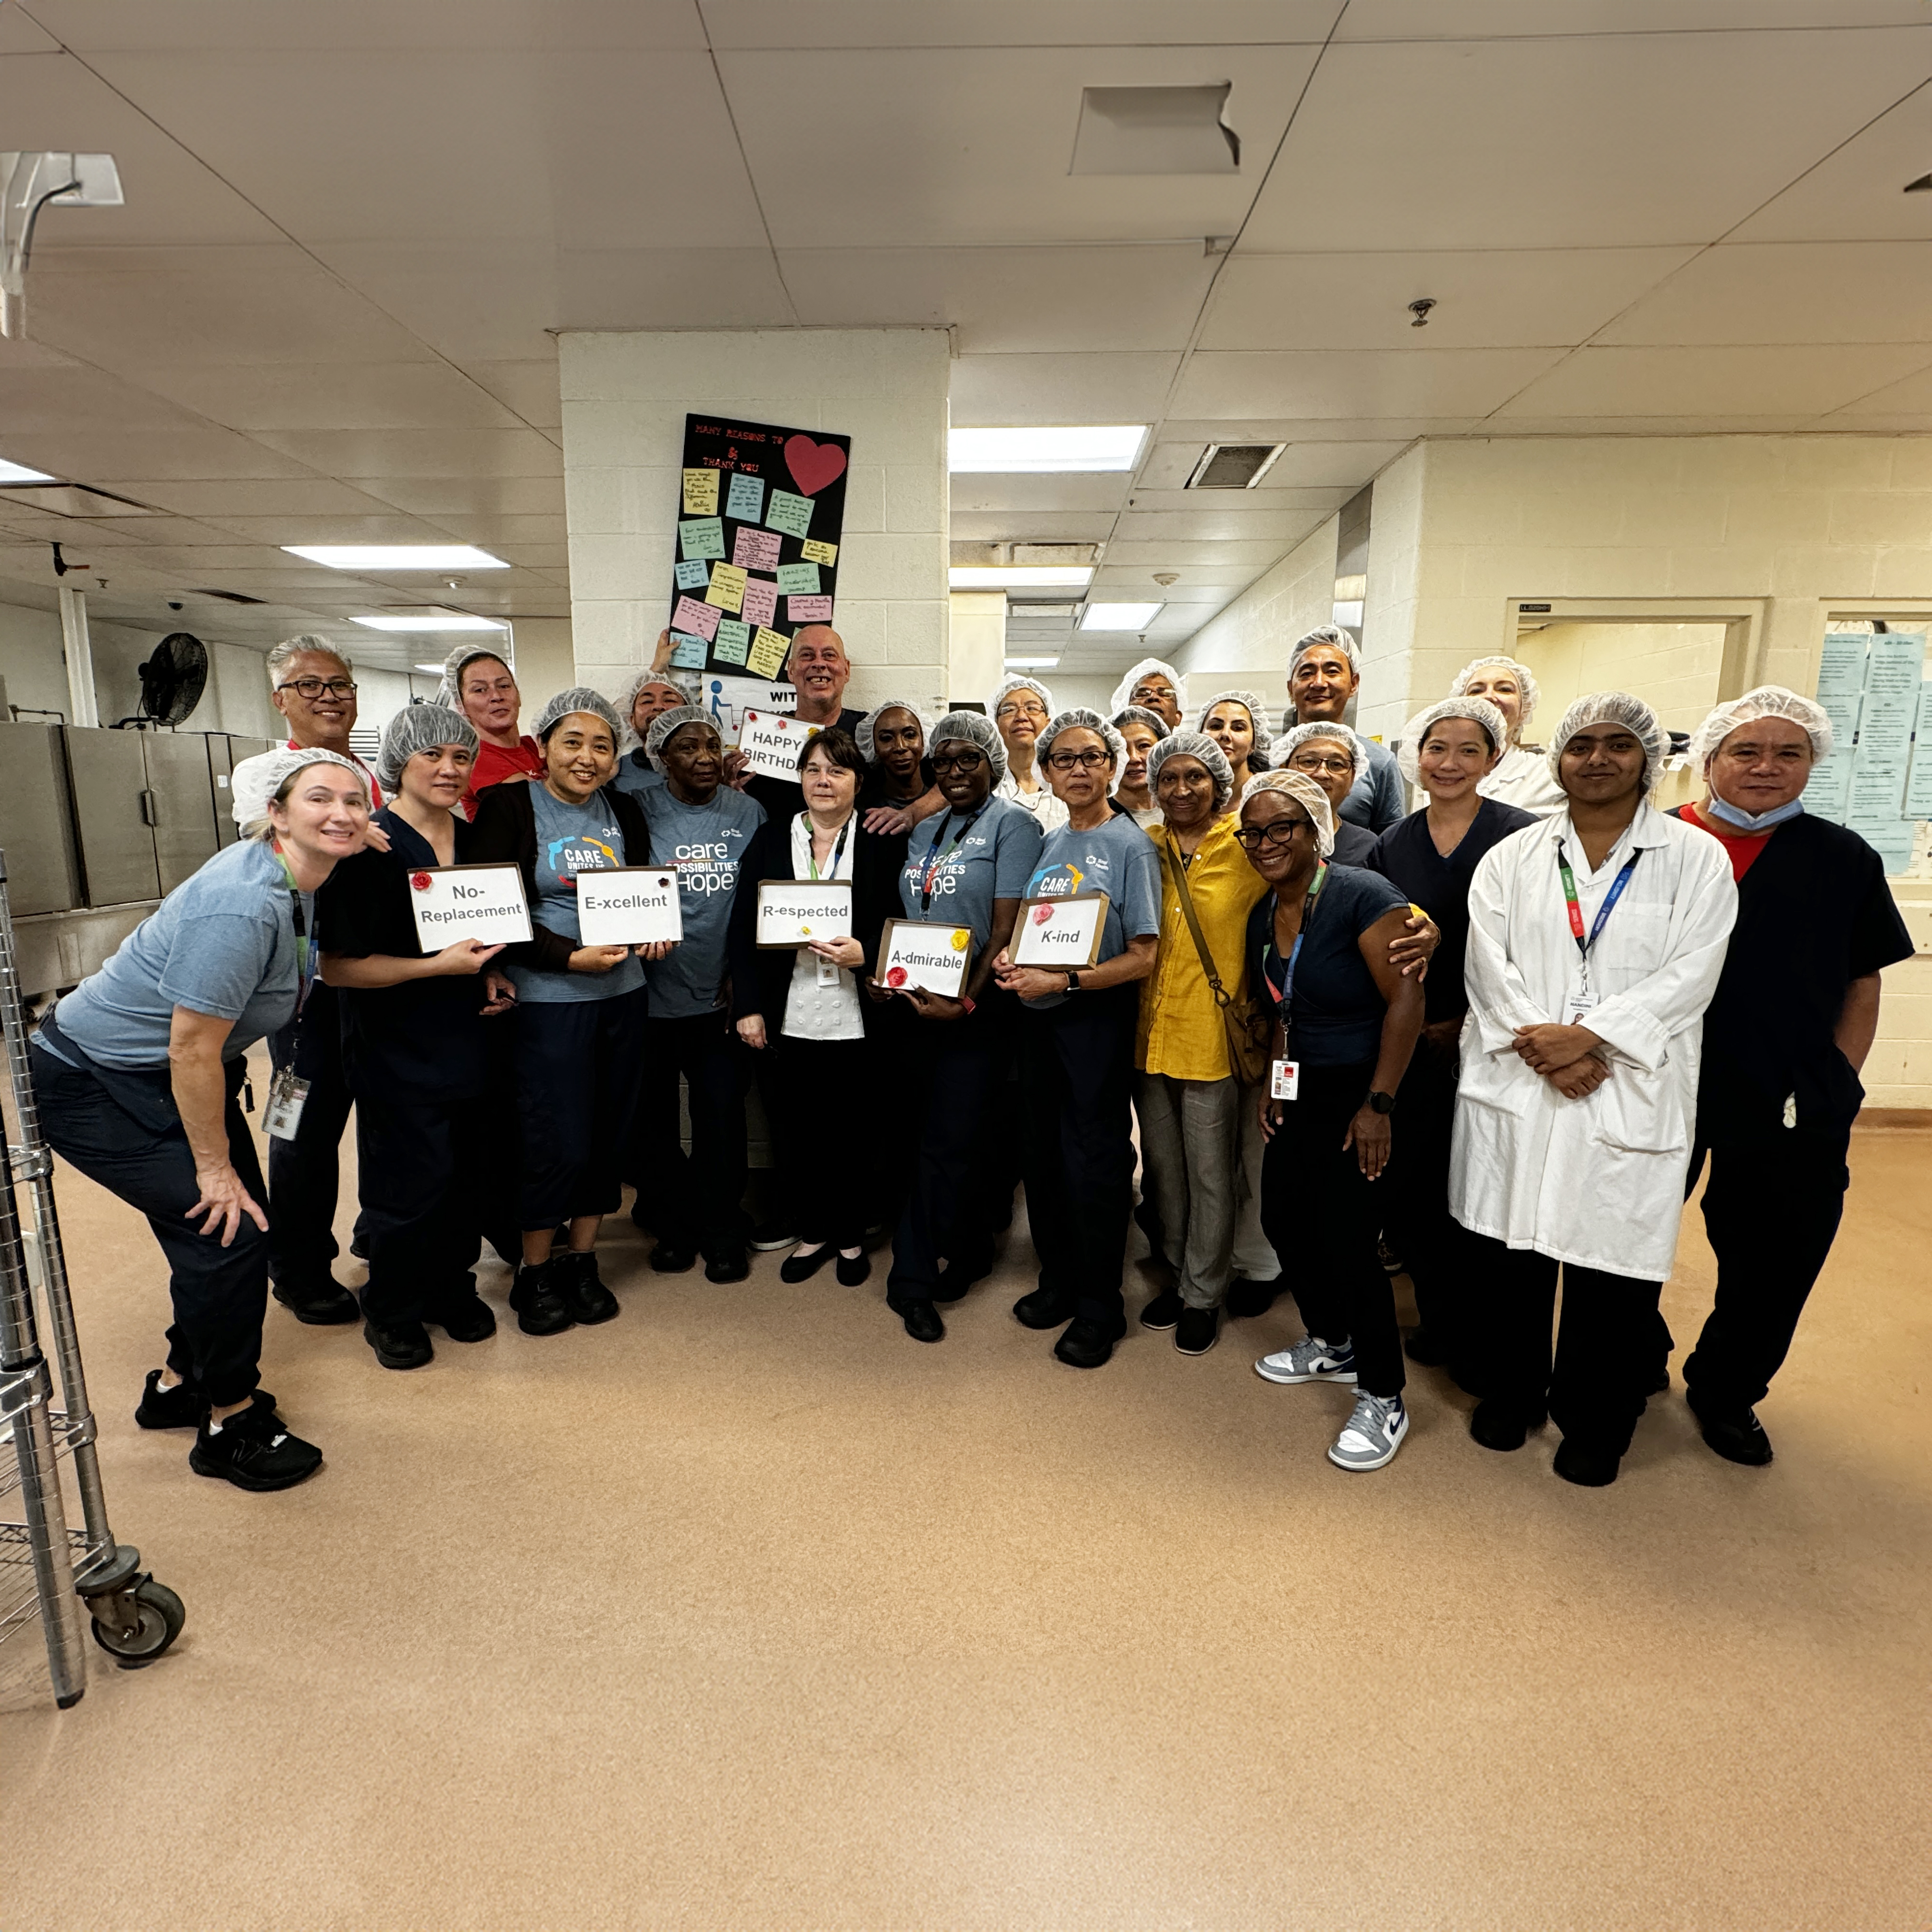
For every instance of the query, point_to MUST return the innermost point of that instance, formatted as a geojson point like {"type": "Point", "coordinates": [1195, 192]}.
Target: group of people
{"type": "Point", "coordinates": [1494, 1039]}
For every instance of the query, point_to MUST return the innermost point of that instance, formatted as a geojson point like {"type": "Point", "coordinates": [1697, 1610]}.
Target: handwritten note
{"type": "Point", "coordinates": [790, 514]}
{"type": "Point", "coordinates": [760, 604]}
{"type": "Point", "coordinates": [701, 493]}
{"type": "Point", "coordinates": [733, 641]}
{"type": "Point", "coordinates": [768, 651]}
{"type": "Point", "coordinates": [815, 552]}
{"type": "Point", "coordinates": [756, 550]}
{"type": "Point", "coordinates": [727, 587]}
{"type": "Point", "coordinates": [694, 574]}
{"type": "Point", "coordinates": [745, 502]}
{"type": "Point", "coordinates": [699, 620]}
{"type": "Point", "coordinates": [702, 537]}
{"type": "Point", "coordinates": [808, 610]}
{"type": "Point", "coordinates": [688, 653]}
{"type": "Point", "coordinates": [798, 580]}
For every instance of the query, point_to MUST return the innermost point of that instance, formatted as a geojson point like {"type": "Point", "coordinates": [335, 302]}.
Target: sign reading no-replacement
{"type": "Point", "coordinates": [484, 903]}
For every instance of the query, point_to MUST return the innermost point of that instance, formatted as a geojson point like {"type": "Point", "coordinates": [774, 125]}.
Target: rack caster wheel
{"type": "Point", "coordinates": [156, 1615]}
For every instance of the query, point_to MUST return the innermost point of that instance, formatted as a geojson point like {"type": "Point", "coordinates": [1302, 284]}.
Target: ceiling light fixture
{"type": "Point", "coordinates": [433, 620]}
{"type": "Point", "coordinates": [18, 473]}
{"type": "Point", "coordinates": [1019, 576]}
{"type": "Point", "coordinates": [1033, 451]}
{"type": "Point", "coordinates": [398, 557]}
{"type": "Point", "coordinates": [1031, 663]}
{"type": "Point", "coordinates": [1120, 617]}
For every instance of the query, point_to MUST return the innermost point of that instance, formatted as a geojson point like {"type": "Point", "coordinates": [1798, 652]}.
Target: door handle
{"type": "Point", "coordinates": [150, 809]}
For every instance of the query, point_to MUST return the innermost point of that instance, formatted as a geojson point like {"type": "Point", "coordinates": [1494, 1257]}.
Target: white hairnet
{"type": "Point", "coordinates": [256, 781]}
{"type": "Point", "coordinates": [970, 727]}
{"type": "Point", "coordinates": [1292, 741]}
{"type": "Point", "coordinates": [449, 693]}
{"type": "Point", "coordinates": [1327, 633]}
{"type": "Point", "coordinates": [1138, 714]}
{"type": "Point", "coordinates": [419, 728]}
{"type": "Point", "coordinates": [657, 732]}
{"type": "Point", "coordinates": [1018, 681]}
{"type": "Point", "coordinates": [1123, 691]}
{"type": "Point", "coordinates": [1194, 745]}
{"type": "Point", "coordinates": [869, 725]}
{"type": "Point", "coordinates": [1768, 701]}
{"type": "Point", "coordinates": [1254, 705]}
{"type": "Point", "coordinates": [578, 697]}
{"type": "Point", "coordinates": [1526, 678]}
{"type": "Point", "coordinates": [1617, 708]}
{"type": "Point", "coordinates": [1478, 710]}
{"type": "Point", "coordinates": [1306, 793]}
{"type": "Point", "coordinates": [1081, 719]}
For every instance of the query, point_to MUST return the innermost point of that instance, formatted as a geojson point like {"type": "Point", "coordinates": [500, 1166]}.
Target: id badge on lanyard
{"type": "Point", "coordinates": [1285, 1082]}
{"type": "Point", "coordinates": [827, 969]}
{"type": "Point", "coordinates": [287, 1096]}
{"type": "Point", "coordinates": [1578, 1005]}
{"type": "Point", "coordinates": [1284, 1075]}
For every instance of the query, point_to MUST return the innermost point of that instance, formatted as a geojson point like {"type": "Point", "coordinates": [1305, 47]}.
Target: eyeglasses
{"type": "Point", "coordinates": [1318, 764]}
{"type": "Point", "coordinates": [1086, 761]}
{"type": "Point", "coordinates": [312, 687]}
{"type": "Point", "coordinates": [1030, 707]}
{"type": "Point", "coordinates": [960, 763]}
{"type": "Point", "coordinates": [1278, 832]}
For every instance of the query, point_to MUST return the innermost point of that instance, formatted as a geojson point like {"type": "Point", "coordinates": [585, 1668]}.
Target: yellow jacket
{"type": "Point", "coordinates": [1181, 1033]}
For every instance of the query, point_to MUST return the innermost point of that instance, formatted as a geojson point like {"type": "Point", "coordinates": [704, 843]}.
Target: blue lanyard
{"type": "Point", "coordinates": [1284, 996]}
{"type": "Point", "coordinates": [1603, 911]}
{"type": "Point", "coordinates": [935, 858]}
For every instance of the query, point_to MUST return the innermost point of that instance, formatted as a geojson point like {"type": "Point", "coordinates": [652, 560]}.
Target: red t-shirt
{"type": "Point", "coordinates": [1742, 847]}
{"type": "Point", "coordinates": [494, 764]}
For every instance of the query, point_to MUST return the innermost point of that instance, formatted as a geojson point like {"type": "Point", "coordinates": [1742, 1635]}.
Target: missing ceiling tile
{"type": "Point", "coordinates": [1233, 465]}
{"type": "Point", "coordinates": [1155, 130]}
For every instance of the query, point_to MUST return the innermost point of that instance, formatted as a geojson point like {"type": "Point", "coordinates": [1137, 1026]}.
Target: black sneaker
{"type": "Point", "coordinates": [181, 1407]}
{"type": "Point", "coordinates": [1392, 1262]}
{"type": "Point", "coordinates": [770, 1234]}
{"type": "Point", "coordinates": [1496, 1426]}
{"type": "Point", "coordinates": [666, 1259]}
{"type": "Point", "coordinates": [1162, 1312]}
{"type": "Point", "coordinates": [321, 1304]}
{"type": "Point", "coordinates": [1045, 1308]}
{"type": "Point", "coordinates": [582, 1288]}
{"type": "Point", "coordinates": [253, 1451]}
{"type": "Point", "coordinates": [1736, 1435]}
{"type": "Point", "coordinates": [540, 1308]}
{"type": "Point", "coordinates": [467, 1318]}
{"type": "Point", "coordinates": [1198, 1331]}
{"type": "Point", "coordinates": [1588, 1468]}
{"type": "Point", "coordinates": [921, 1318]}
{"type": "Point", "coordinates": [403, 1345]}
{"type": "Point", "coordinates": [1245, 1299]}
{"type": "Point", "coordinates": [1086, 1345]}
{"type": "Point", "coordinates": [730, 1266]}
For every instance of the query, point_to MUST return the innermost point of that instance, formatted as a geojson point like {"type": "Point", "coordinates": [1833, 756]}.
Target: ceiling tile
{"type": "Point", "coordinates": [1711, 381]}
{"type": "Point", "coordinates": [20, 35]}
{"type": "Point", "coordinates": [437, 497]}
{"type": "Point", "coordinates": [335, 395]}
{"type": "Point", "coordinates": [1855, 194]}
{"type": "Point", "coordinates": [1663, 140]}
{"type": "Point", "coordinates": [1215, 523]}
{"type": "Point", "coordinates": [1241, 503]}
{"type": "Point", "coordinates": [1296, 430]}
{"type": "Point", "coordinates": [274, 532]}
{"type": "Point", "coordinates": [1491, 19]}
{"type": "Point", "coordinates": [1912, 396]}
{"type": "Point", "coordinates": [1363, 382]}
{"type": "Point", "coordinates": [290, 496]}
{"type": "Point", "coordinates": [65, 396]}
{"type": "Point", "coordinates": [738, 24]}
{"type": "Point", "coordinates": [1073, 490]}
{"type": "Point", "coordinates": [529, 388]}
{"type": "Point", "coordinates": [106, 26]}
{"type": "Point", "coordinates": [493, 533]}
{"type": "Point", "coordinates": [104, 457]}
{"type": "Point", "coordinates": [1222, 557]}
{"type": "Point", "coordinates": [990, 391]}
{"type": "Point", "coordinates": [1030, 526]}
{"type": "Point", "coordinates": [375, 453]}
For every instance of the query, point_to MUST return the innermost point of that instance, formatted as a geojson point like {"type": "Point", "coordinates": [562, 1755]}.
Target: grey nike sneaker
{"type": "Point", "coordinates": [1312, 1360]}
{"type": "Point", "coordinates": [1373, 1433]}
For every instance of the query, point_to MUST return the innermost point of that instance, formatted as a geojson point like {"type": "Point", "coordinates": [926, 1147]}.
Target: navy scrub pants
{"type": "Point", "coordinates": [304, 1174]}
{"type": "Point", "coordinates": [1077, 1060]}
{"type": "Point", "coordinates": [1433, 1244]}
{"type": "Point", "coordinates": [578, 1063]}
{"type": "Point", "coordinates": [122, 1129]}
{"type": "Point", "coordinates": [693, 1202]}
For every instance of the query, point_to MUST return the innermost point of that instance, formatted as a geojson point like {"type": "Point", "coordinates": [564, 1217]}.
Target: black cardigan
{"type": "Point", "coordinates": [761, 981]}
{"type": "Point", "coordinates": [504, 832]}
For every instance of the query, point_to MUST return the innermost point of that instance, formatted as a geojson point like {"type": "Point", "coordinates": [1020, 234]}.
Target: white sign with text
{"type": "Point", "coordinates": [932, 958]}
{"type": "Point", "coordinates": [794, 912]}
{"type": "Point", "coordinates": [632, 905]}
{"type": "Point", "coordinates": [1058, 934]}
{"type": "Point", "coordinates": [771, 744]}
{"type": "Point", "coordinates": [484, 903]}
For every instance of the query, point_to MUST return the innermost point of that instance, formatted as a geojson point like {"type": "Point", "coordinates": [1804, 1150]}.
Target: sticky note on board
{"type": "Point", "coordinates": [815, 552]}
{"type": "Point", "coordinates": [756, 550]}
{"type": "Point", "coordinates": [768, 652]}
{"type": "Point", "coordinates": [694, 574]}
{"type": "Point", "coordinates": [745, 500]}
{"type": "Point", "coordinates": [760, 604]}
{"type": "Point", "coordinates": [688, 653]}
{"type": "Point", "coordinates": [698, 620]}
{"type": "Point", "coordinates": [808, 610]}
{"type": "Point", "coordinates": [790, 514]}
{"type": "Point", "coordinates": [701, 493]}
{"type": "Point", "coordinates": [727, 587]}
{"type": "Point", "coordinates": [733, 640]}
{"type": "Point", "coordinates": [798, 580]}
{"type": "Point", "coordinates": [704, 536]}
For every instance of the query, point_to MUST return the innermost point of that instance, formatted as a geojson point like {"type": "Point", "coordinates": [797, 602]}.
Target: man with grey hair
{"type": "Point", "coordinates": [1325, 672]}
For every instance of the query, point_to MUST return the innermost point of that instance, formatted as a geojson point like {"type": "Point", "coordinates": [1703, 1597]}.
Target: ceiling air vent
{"type": "Point", "coordinates": [1155, 130]}
{"type": "Point", "coordinates": [227, 596]}
{"type": "Point", "coordinates": [1233, 465]}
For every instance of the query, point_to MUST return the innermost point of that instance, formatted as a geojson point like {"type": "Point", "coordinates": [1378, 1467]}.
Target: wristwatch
{"type": "Point", "coordinates": [1383, 1103]}
{"type": "Point", "coordinates": [1072, 982]}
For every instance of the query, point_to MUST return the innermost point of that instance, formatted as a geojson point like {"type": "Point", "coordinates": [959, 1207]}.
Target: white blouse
{"type": "Point", "coordinates": [816, 1010]}
{"type": "Point", "coordinates": [1049, 812]}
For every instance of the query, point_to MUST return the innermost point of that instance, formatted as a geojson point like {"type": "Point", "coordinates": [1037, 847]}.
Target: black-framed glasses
{"type": "Point", "coordinates": [961, 763]}
{"type": "Point", "coordinates": [1087, 761]}
{"type": "Point", "coordinates": [1277, 832]}
{"type": "Point", "coordinates": [1301, 762]}
{"type": "Point", "coordinates": [310, 689]}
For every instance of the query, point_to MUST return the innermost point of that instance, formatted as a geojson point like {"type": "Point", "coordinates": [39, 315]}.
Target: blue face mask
{"type": "Point", "coordinates": [1761, 821]}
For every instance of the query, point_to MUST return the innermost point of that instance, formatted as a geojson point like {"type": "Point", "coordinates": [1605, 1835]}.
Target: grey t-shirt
{"type": "Point", "coordinates": [637, 775]}
{"type": "Point", "coordinates": [955, 868]}
{"type": "Point", "coordinates": [1117, 858]}
{"type": "Point", "coordinates": [222, 942]}
{"type": "Point", "coordinates": [573, 838]}
{"type": "Point", "coordinates": [705, 843]}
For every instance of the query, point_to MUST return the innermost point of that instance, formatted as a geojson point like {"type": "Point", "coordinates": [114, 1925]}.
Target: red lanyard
{"type": "Point", "coordinates": [1285, 995]}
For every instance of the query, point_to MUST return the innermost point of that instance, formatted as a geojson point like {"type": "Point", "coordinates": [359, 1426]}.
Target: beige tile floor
{"type": "Point", "coordinates": [745, 1611]}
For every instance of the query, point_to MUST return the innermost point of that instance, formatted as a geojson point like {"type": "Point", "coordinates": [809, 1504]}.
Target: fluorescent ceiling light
{"type": "Point", "coordinates": [18, 473]}
{"type": "Point", "coordinates": [1105, 446]}
{"type": "Point", "coordinates": [434, 670]}
{"type": "Point", "coordinates": [1031, 663]}
{"type": "Point", "coordinates": [1120, 617]}
{"type": "Point", "coordinates": [433, 620]}
{"type": "Point", "coordinates": [1019, 576]}
{"type": "Point", "coordinates": [398, 557]}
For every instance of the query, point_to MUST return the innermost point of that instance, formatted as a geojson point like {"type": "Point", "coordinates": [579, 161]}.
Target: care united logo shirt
{"type": "Point", "coordinates": [594, 851]}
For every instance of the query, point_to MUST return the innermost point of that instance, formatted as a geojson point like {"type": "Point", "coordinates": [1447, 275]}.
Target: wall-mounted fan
{"type": "Point", "coordinates": [172, 681]}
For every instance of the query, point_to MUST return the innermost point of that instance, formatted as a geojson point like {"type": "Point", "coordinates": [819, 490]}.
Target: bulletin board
{"type": "Point", "coordinates": [761, 515]}
{"type": "Point", "coordinates": [1878, 780]}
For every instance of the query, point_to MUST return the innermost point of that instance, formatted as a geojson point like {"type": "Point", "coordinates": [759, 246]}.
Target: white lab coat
{"type": "Point", "coordinates": [1523, 778]}
{"type": "Point", "coordinates": [1598, 1181]}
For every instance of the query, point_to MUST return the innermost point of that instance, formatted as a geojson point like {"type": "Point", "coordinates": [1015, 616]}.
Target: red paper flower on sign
{"type": "Point", "coordinates": [813, 465]}
{"type": "Point", "coordinates": [895, 976]}
{"type": "Point", "coordinates": [419, 882]}
{"type": "Point", "coordinates": [1041, 914]}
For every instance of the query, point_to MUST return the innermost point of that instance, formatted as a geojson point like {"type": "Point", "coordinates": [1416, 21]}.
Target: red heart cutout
{"type": "Point", "coordinates": [813, 465]}
{"type": "Point", "coordinates": [1041, 914]}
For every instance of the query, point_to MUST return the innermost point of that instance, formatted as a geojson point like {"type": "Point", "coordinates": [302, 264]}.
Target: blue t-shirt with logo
{"type": "Point", "coordinates": [705, 843]}
{"type": "Point", "coordinates": [955, 868]}
{"type": "Point", "coordinates": [1117, 858]}
{"type": "Point", "coordinates": [573, 838]}
{"type": "Point", "coordinates": [637, 775]}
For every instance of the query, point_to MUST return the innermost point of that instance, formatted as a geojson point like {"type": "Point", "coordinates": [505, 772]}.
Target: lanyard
{"type": "Point", "coordinates": [1603, 911]}
{"type": "Point", "coordinates": [1284, 996]}
{"type": "Point", "coordinates": [935, 858]}
{"type": "Point", "coordinates": [304, 975]}
{"type": "Point", "coordinates": [838, 850]}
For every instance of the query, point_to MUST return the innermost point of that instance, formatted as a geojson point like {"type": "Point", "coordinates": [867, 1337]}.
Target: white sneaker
{"type": "Point", "coordinates": [1313, 1360]}
{"type": "Point", "coordinates": [1373, 1434]}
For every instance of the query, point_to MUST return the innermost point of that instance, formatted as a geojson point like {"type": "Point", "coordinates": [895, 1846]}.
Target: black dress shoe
{"type": "Point", "coordinates": [1497, 1427]}
{"type": "Point", "coordinates": [1044, 1308]}
{"type": "Point", "coordinates": [956, 1277]}
{"type": "Point", "coordinates": [581, 1288]}
{"type": "Point", "coordinates": [1736, 1435]}
{"type": "Point", "coordinates": [853, 1270]}
{"type": "Point", "coordinates": [802, 1267]}
{"type": "Point", "coordinates": [181, 1407]}
{"type": "Point", "coordinates": [535, 1296]}
{"type": "Point", "coordinates": [1588, 1468]}
{"type": "Point", "coordinates": [1198, 1331]}
{"type": "Point", "coordinates": [402, 1345]}
{"type": "Point", "coordinates": [1086, 1345]}
{"type": "Point", "coordinates": [326, 1304]}
{"type": "Point", "coordinates": [1245, 1298]}
{"type": "Point", "coordinates": [921, 1318]}
{"type": "Point", "coordinates": [732, 1265]}
{"type": "Point", "coordinates": [465, 1318]}
{"type": "Point", "coordinates": [668, 1260]}
{"type": "Point", "coordinates": [1163, 1311]}
{"type": "Point", "coordinates": [1423, 1349]}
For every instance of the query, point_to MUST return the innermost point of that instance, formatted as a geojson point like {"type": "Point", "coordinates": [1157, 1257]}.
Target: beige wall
{"type": "Point", "coordinates": [545, 662]}
{"type": "Point", "coordinates": [975, 644]}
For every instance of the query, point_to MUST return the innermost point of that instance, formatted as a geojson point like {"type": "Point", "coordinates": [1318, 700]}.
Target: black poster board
{"type": "Point", "coordinates": [761, 515]}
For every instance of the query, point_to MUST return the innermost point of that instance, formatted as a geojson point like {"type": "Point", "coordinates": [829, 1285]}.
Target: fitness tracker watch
{"type": "Point", "coordinates": [1383, 1103]}
{"type": "Point", "coordinates": [1072, 982]}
